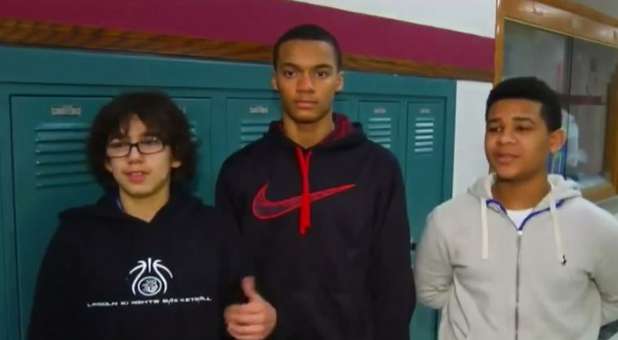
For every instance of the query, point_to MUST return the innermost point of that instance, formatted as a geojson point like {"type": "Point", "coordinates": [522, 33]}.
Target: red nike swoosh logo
{"type": "Point", "coordinates": [264, 209]}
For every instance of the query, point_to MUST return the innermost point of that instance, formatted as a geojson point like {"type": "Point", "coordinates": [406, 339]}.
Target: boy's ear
{"type": "Point", "coordinates": [273, 81]}
{"type": "Point", "coordinates": [340, 81]}
{"type": "Point", "coordinates": [176, 163]}
{"type": "Point", "coordinates": [556, 140]}
{"type": "Point", "coordinates": [108, 166]}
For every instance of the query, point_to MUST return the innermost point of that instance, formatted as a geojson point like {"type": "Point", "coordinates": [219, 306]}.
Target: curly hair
{"type": "Point", "coordinates": [162, 118]}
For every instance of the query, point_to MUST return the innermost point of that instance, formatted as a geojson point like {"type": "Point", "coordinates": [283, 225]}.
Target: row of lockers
{"type": "Point", "coordinates": [49, 97]}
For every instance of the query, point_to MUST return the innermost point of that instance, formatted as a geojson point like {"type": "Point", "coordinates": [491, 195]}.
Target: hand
{"type": "Point", "coordinates": [253, 320]}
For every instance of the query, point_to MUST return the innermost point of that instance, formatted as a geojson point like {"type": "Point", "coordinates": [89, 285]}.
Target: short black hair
{"type": "Point", "coordinates": [162, 118]}
{"type": "Point", "coordinates": [308, 32]}
{"type": "Point", "coordinates": [530, 88]}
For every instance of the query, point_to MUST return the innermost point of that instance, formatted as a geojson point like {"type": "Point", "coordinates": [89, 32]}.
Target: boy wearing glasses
{"type": "Point", "coordinates": [148, 260]}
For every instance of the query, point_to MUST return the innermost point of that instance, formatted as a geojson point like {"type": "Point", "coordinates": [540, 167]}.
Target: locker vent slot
{"type": "Point", "coordinates": [193, 131]}
{"type": "Point", "coordinates": [60, 157]}
{"type": "Point", "coordinates": [252, 129]}
{"type": "Point", "coordinates": [379, 130]}
{"type": "Point", "coordinates": [424, 135]}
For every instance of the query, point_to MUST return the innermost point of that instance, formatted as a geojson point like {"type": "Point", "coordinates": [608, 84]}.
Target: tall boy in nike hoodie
{"type": "Point", "coordinates": [322, 209]}
{"type": "Point", "coordinates": [148, 260]}
{"type": "Point", "coordinates": [521, 255]}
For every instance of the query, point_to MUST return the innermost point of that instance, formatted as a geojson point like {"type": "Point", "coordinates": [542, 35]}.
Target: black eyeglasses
{"type": "Point", "coordinates": [146, 146]}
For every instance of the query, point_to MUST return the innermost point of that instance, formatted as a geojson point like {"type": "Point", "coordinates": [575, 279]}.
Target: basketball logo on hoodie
{"type": "Point", "coordinates": [150, 277]}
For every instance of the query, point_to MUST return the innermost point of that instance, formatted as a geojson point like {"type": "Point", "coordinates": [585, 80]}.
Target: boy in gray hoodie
{"type": "Point", "coordinates": [521, 255]}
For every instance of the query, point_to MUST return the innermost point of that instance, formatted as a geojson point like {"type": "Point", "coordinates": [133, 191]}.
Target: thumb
{"type": "Point", "coordinates": [248, 288]}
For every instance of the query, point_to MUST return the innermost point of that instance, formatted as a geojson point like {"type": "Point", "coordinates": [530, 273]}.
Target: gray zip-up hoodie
{"type": "Point", "coordinates": [555, 277]}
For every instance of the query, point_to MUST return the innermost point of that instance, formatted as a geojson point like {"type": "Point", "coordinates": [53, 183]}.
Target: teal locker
{"type": "Point", "coordinates": [240, 121]}
{"type": "Point", "coordinates": [45, 109]}
{"type": "Point", "coordinates": [199, 114]}
{"type": "Point", "coordinates": [248, 119]}
{"type": "Point", "coordinates": [425, 163]}
{"type": "Point", "coordinates": [48, 152]}
{"type": "Point", "coordinates": [425, 166]}
{"type": "Point", "coordinates": [384, 123]}
{"type": "Point", "coordinates": [346, 105]}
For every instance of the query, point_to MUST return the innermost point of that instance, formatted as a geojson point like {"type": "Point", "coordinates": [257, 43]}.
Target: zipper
{"type": "Point", "coordinates": [519, 233]}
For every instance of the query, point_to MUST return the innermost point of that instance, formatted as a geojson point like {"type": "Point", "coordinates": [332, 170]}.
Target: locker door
{"type": "Point", "coordinates": [384, 123]}
{"type": "Point", "coordinates": [346, 106]}
{"type": "Point", "coordinates": [240, 121]}
{"type": "Point", "coordinates": [425, 160]}
{"type": "Point", "coordinates": [199, 114]}
{"type": "Point", "coordinates": [248, 119]}
{"type": "Point", "coordinates": [51, 174]}
{"type": "Point", "coordinates": [424, 184]}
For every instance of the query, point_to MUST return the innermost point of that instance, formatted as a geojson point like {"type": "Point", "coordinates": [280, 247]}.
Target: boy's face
{"type": "Point", "coordinates": [141, 175]}
{"type": "Point", "coordinates": [517, 141]}
{"type": "Point", "coordinates": [307, 79]}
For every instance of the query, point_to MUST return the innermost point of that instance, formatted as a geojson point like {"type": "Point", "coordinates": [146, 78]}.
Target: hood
{"type": "Point", "coordinates": [561, 190]}
{"type": "Point", "coordinates": [345, 134]}
{"type": "Point", "coordinates": [109, 210]}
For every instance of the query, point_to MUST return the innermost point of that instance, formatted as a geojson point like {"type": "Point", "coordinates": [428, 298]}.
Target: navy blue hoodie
{"type": "Point", "coordinates": [328, 232]}
{"type": "Point", "coordinates": [107, 275]}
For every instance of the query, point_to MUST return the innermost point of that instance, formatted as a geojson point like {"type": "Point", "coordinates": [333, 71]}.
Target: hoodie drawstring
{"type": "Point", "coordinates": [485, 230]}
{"type": "Point", "coordinates": [484, 227]}
{"type": "Point", "coordinates": [305, 200]}
{"type": "Point", "coordinates": [554, 217]}
{"type": "Point", "coordinates": [557, 231]}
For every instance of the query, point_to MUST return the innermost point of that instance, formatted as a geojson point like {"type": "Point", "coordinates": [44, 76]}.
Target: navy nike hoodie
{"type": "Point", "coordinates": [328, 232]}
{"type": "Point", "coordinates": [108, 275]}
